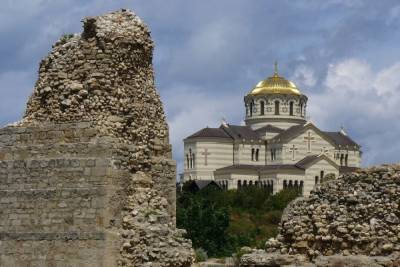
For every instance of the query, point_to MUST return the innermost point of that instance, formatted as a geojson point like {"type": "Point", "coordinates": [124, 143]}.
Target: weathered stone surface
{"type": "Point", "coordinates": [356, 214]}
{"type": "Point", "coordinates": [86, 178]}
{"type": "Point", "coordinates": [351, 221]}
{"type": "Point", "coordinates": [260, 258]}
{"type": "Point", "coordinates": [357, 261]}
{"type": "Point", "coordinates": [264, 259]}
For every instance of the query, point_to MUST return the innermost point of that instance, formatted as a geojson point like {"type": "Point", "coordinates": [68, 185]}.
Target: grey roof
{"type": "Point", "coordinates": [203, 183]}
{"type": "Point", "coordinates": [228, 132]}
{"type": "Point", "coordinates": [307, 161]}
{"type": "Point", "coordinates": [290, 132]}
{"type": "Point", "coordinates": [210, 132]}
{"type": "Point", "coordinates": [300, 165]}
{"type": "Point", "coordinates": [270, 128]}
{"type": "Point", "coordinates": [341, 139]}
{"type": "Point", "coordinates": [311, 159]}
{"type": "Point", "coordinates": [346, 169]}
{"type": "Point", "coordinates": [336, 138]}
{"type": "Point", "coordinates": [280, 167]}
{"type": "Point", "coordinates": [240, 132]}
{"type": "Point", "coordinates": [258, 168]}
{"type": "Point", "coordinates": [240, 167]}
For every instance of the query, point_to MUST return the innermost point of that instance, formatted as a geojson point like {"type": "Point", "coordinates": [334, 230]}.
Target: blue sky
{"type": "Point", "coordinates": [343, 54]}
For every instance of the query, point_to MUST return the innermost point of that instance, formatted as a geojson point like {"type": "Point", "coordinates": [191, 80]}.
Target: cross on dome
{"type": "Point", "coordinates": [276, 68]}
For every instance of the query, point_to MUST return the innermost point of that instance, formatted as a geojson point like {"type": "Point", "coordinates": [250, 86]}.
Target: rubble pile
{"type": "Point", "coordinates": [357, 214]}
{"type": "Point", "coordinates": [105, 76]}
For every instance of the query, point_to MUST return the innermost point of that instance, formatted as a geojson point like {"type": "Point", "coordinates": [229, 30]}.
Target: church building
{"type": "Point", "coordinates": [277, 147]}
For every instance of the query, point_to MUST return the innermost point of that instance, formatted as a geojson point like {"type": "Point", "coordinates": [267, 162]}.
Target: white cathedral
{"type": "Point", "coordinates": [276, 149]}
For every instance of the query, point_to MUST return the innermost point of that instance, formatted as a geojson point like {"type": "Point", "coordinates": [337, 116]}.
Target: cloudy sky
{"type": "Point", "coordinates": [343, 54]}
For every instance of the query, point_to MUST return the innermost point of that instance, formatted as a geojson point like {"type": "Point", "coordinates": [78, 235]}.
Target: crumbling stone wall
{"type": "Point", "coordinates": [356, 214]}
{"type": "Point", "coordinates": [86, 178]}
{"type": "Point", "coordinates": [350, 221]}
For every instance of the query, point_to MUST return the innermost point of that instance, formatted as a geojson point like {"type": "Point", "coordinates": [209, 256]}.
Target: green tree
{"type": "Point", "coordinates": [205, 222]}
{"type": "Point", "coordinates": [221, 222]}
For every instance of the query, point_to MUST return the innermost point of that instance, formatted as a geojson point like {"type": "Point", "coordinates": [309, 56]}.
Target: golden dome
{"type": "Point", "coordinates": [275, 85]}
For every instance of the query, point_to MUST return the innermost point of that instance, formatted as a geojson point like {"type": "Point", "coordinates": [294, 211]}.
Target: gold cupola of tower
{"type": "Point", "coordinates": [275, 85]}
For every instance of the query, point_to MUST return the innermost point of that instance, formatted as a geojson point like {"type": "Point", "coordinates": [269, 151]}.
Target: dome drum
{"type": "Point", "coordinates": [275, 99]}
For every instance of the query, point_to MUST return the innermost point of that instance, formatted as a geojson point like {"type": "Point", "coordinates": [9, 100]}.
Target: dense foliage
{"type": "Point", "coordinates": [220, 222]}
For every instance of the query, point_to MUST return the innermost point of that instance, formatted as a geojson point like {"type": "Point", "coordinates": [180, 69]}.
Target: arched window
{"type": "Point", "coordinates": [252, 154]}
{"type": "Point", "coordinates": [301, 187]}
{"type": "Point", "coordinates": [276, 107]}
{"type": "Point", "coordinates": [346, 157]}
{"type": "Point", "coordinates": [262, 108]}
{"type": "Point", "coordinates": [193, 161]}
{"type": "Point", "coordinates": [190, 158]}
{"type": "Point", "coordinates": [316, 179]}
{"type": "Point", "coordinates": [187, 161]}
{"type": "Point", "coordinates": [341, 159]}
{"type": "Point", "coordinates": [251, 108]}
{"type": "Point", "coordinates": [291, 108]}
{"type": "Point", "coordinates": [322, 176]}
{"type": "Point", "coordinates": [301, 109]}
{"type": "Point", "coordinates": [245, 183]}
{"type": "Point", "coordinates": [251, 183]}
{"type": "Point", "coordinates": [257, 152]}
{"type": "Point", "coordinates": [239, 185]}
{"type": "Point", "coordinates": [290, 184]}
{"type": "Point", "coordinates": [285, 184]}
{"type": "Point", "coordinates": [273, 154]}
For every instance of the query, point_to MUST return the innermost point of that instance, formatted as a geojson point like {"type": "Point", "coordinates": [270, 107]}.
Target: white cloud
{"type": "Point", "coordinates": [190, 109]}
{"type": "Point", "coordinates": [387, 82]}
{"type": "Point", "coordinates": [351, 75]}
{"type": "Point", "coordinates": [304, 76]}
{"type": "Point", "coordinates": [365, 102]}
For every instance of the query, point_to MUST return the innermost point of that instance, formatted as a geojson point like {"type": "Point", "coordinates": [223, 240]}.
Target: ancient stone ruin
{"type": "Point", "coordinates": [86, 178]}
{"type": "Point", "coordinates": [353, 221]}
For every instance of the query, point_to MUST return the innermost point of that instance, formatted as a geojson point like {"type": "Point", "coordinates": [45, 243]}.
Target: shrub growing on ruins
{"type": "Point", "coordinates": [65, 37]}
{"type": "Point", "coordinates": [201, 255]}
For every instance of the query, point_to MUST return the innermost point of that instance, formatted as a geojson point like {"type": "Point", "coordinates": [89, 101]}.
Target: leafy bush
{"type": "Point", "coordinates": [201, 255]}
{"type": "Point", "coordinates": [205, 222]}
{"type": "Point", "coordinates": [273, 217]}
{"type": "Point", "coordinates": [221, 222]}
{"type": "Point", "coordinates": [65, 37]}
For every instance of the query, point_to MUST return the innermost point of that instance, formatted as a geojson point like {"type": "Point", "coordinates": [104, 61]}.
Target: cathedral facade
{"type": "Point", "coordinates": [275, 149]}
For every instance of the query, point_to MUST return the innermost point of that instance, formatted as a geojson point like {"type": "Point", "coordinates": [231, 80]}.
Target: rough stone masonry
{"type": "Point", "coordinates": [86, 178]}
{"type": "Point", "coordinates": [350, 221]}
